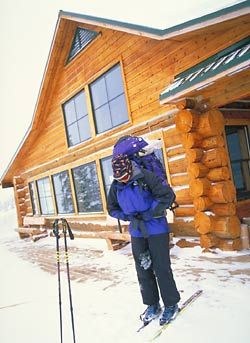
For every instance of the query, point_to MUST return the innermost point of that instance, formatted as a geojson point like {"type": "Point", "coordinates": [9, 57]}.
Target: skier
{"type": "Point", "coordinates": [139, 196]}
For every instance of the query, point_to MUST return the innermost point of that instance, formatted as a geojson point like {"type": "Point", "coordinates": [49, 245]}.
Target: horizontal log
{"type": "Point", "coordinates": [21, 193]}
{"type": "Point", "coordinates": [199, 187]}
{"type": "Point", "coordinates": [209, 241]}
{"type": "Point", "coordinates": [211, 123]}
{"type": "Point", "coordinates": [191, 140]}
{"type": "Point", "coordinates": [222, 192]}
{"type": "Point", "coordinates": [184, 211]}
{"type": "Point", "coordinates": [34, 221]}
{"type": "Point", "coordinates": [177, 166]}
{"type": "Point", "coordinates": [228, 209]}
{"type": "Point", "coordinates": [202, 203]}
{"type": "Point", "coordinates": [213, 142]}
{"type": "Point", "coordinates": [197, 170]}
{"type": "Point", "coordinates": [175, 151]}
{"type": "Point", "coordinates": [183, 196]}
{"type": "Point", "coordinates": [227, 227]}
{"type": "Point", "coordinates": [194, 155]}
{"type": "Point", "coordinates": [186, 121]}
{"type": "Point", "coordinates": [171, 137]}
{"type": "Point", "coordinates": [18, 180]}
{"type": "Point", "coordinates": [218, 174]}
{"type": "Point", "coordinates": [103, 235]}
{"type": "Point", "coordinates": [183, 228]}
{"type": "Point", "coordinates": [179, 180]}
{"type": "Point", "coordinates": [203, 223]}
{"type": "Point", "coordinates": [214, 158]}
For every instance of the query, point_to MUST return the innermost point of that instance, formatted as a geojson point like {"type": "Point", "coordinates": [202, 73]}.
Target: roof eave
{"type": "Point", "coordinates": [161, 34]}
{"type": "Point", "coordinates": [174, 97]}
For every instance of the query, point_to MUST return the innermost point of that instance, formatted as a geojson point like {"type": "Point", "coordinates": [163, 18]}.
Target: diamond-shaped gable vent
{"type": "Point", "coordinates": [82, 38]}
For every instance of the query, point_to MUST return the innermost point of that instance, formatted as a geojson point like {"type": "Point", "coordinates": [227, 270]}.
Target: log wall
{"type": "Point", "coordinates": [211, 189]}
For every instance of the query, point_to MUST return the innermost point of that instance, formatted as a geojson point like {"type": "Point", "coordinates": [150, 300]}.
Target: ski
{"type": "Point", "coordinates": [193, 297]}
{"type": "Point", "coordinates": [144, 324]}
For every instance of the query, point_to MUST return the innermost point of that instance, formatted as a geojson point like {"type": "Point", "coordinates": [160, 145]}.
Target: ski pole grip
{"type": "Point", "coordinates": [56, 228]}
{"type": "Point", "coordinates": [71, 235]}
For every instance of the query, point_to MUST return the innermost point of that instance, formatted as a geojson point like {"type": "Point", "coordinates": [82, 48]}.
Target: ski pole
{"type": "Point", "coordinates": [66, 228]}
{"type": "Point", "coordinates": [57, 235]}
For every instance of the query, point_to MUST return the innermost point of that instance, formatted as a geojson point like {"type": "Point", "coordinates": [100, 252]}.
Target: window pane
{"type": "Point", "coordinates": [70, 113]}
{"type": "Point", "coordinates": [63, 192]}
{"type": "Point", "coordinates": [98, 92]}
{"type": "Point", "coordinates": [103, 120]}
{"type": "Point", "coordinates": [237, 175]}
{"type": "Point", "coordinates": [87, 188]}
{"type": "Point", "coordinates": [73, 134]}
{"type": "Point", "coordinates": [108, 100]}
{"type": "Point", "coordinates": [118, 109]}
{"type": "Point", "coordinates": [45, 196]}
{"type": "Point", "coordinates": [114, 82]}
{"type": "Point", "coordinates": [84, 129]}
{"type": "Point", "coordinates": [238, 146]}
{"type": "Point", "coordinates": [80, 105]}
{"type": "Point", "coordinates": [76, 119]}
{"type": "Point", "coordinates": [107, 173]}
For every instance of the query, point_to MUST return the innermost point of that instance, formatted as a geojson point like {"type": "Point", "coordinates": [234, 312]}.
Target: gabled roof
{"type": "Point", "coordinates": [226, 13]}
{"type": "Point", "coordinates": [228, 61]}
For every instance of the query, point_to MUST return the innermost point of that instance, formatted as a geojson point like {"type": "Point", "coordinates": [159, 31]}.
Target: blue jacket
{"type": "Point", "coordinates": [142, 201]}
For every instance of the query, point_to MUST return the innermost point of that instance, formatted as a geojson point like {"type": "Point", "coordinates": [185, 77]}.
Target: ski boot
{"type": "Point", "coordinates": [168, 314]}
{"type": "Point", "coordinates": [151, 312]}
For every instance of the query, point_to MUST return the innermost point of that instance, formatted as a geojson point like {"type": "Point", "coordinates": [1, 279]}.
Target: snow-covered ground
{"type": "Point", "coordinates": [108, 310]}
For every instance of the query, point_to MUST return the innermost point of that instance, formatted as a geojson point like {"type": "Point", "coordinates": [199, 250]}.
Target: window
{"type": "Point", "coordinates": [108, 100]}
{"type": "Point", "coordinates": [87, 188]}
{"type": "Point", "coordinates": [81, 39]}
{"type": "Point", "coordinates": [107, 173]}
{"type": "Point", "coordinates": [62, 191]}
{"type": "Point", "coordinates": [33, 198]}
{"type": "Point", "coordinates": [239, 151]}
{"type": "Point", "coordinates": [76, 119]}
{"type": "Point", "coordinates": [45, 196]}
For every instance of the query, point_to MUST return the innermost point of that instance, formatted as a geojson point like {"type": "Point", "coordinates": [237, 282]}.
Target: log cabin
{"type": "Point", "coordinates": [187, 86]}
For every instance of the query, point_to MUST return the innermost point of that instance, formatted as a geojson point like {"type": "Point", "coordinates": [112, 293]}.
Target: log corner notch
{"type": "Point", "coordinates": [210, 184]}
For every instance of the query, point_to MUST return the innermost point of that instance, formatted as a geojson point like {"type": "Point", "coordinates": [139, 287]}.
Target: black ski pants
{"type": "Point", "coordinates": [159, 274]}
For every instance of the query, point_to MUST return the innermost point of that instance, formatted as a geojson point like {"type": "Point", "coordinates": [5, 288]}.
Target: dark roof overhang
{"type": "Point", "coordinates": [227, 62]}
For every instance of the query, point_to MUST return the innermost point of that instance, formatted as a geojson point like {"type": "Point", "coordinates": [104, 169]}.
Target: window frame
{"type": "Point", "coordinates": [51, 196]}
{"type": "Point", "coordinates": [123, 94]}
{"type": "Point", "coordinates": [241, 193]}
{"type": "Point", "coordinates": [101, 210]}
{"type": "Point", "coordinates": [85, 116]}
{"type": "Point", "coordinates": [55, 194]}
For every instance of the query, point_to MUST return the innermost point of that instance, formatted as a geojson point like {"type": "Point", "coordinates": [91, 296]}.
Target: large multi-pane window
{"type": "Point", "coordinates": [62, 190]}
{"type": "Point", "coordinates": [107, 173]}
{"type": "Point", "coordinates": [45, 196]}
{"type": "Point", "coordinates": [33, 198]}
{"type": "Point", "coordinates": [108, 100]}
{"type": "Point", "coordinates": [238, 142]}
{"type": "Point", "coordinates": [76, 119]}
{"type": "Point", "coordinates": [87, 188]}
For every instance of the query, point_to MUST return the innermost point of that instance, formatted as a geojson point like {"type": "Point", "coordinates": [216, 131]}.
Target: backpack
{"type": "Point", "coordinates": [144, 155]}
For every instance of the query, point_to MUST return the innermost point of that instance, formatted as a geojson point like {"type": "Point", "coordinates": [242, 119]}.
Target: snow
{"type": "Point", "coordinates": [107, 309]}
